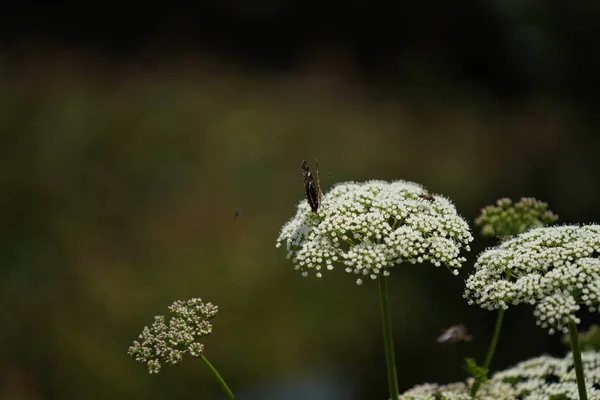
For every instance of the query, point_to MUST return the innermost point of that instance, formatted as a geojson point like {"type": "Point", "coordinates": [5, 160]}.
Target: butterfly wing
{"type": "Point", "coordinates": [319, 192]}
{"type": "Point", "coordinates": [312, 194]}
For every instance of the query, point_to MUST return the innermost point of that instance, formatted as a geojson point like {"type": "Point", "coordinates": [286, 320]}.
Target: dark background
{"type": "Point", "coordinates": [129, 137]}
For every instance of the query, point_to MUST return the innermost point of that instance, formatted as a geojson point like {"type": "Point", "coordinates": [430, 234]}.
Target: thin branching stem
{"type": "Point", "coordinates": [575, 349]}
{"type": "Point", "coordinates": [224, 386]}
{"type": "Point", "coordinates": [491, 351]}
{"type": "Point", "coordinates": [388, 339]}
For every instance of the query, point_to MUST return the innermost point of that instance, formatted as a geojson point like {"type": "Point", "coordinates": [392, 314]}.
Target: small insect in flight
{"type": "Point", "coordinates": [314, 195]}
{"type": "Point", "coordinates": [427, 196]}
{"type": "Point", "coordinates": [238, 213]}
{"type": "Point", "coordinates": [455, 334]}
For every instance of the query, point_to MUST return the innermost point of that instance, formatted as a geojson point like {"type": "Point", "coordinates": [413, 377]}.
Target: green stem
{"type": "Point", "coordinates": [577, 360]}
{"type": "Point", "coordinates": [388, 339]}
{"type": "Point", "coordinates": [224, 386]}
{"type": "Point", "coordinates": [491, 350]}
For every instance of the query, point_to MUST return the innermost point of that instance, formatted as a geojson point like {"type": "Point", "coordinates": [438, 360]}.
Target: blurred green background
{"type": "Point", "coordinates": [122, 170]}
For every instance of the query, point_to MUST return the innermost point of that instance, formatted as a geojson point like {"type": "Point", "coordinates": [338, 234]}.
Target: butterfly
{"type": "Point", "coordinates": [314, 195]}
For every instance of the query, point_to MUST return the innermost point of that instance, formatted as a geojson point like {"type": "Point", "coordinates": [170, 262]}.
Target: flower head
{"type": "Point", "coordinates": [548, 377]}
{"type": "Point", "coordinates": [506, 218]}
{"type": "Point", "coordinates": [167, 342]}
{"type": "Point", "coordinates": [542, 377]}
{"type": "Point", "coordinates": [557, 269]}
{"type": "Point", "coordinates": [370, 227]}
{"type": "Point", "coordinates": [490, 390]}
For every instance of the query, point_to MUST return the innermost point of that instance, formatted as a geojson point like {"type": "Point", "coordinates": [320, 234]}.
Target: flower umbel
{"type": "Point", "coordinates": [370, 227]}
{"type": "Point", "coordinates": [503, 221]}
{"type": "Point", "coordinates": [167, 342]}
{"type": "Point", "coordinates": [490, 390]}
{"type": "Point", "coordinates": [548, 377]}
{"type": "Point", "coordinates": [557, 269]}
{"type": "Point", "coordinates": [542, 377]}
{"type": "Point", "coordinates": [506, 218]}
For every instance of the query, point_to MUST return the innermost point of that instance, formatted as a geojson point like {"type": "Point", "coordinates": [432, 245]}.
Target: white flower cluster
{"type": "Point", "coordinates": [370, 227]}
{"type": "Point", "coordinates": [508, 218]}
{"type": "Point", "coordinates": [539, 378]}
{"type": "Point", "coordinates": [168, 343]}
{"type": "Point", "coordinates": [490, 390]}
{"type": "Point", "coordinates": [548, 377]}
{"type": "Point", "coordinates": [557, 269]}
{"type": "Point", "coordinates": [432, 391]}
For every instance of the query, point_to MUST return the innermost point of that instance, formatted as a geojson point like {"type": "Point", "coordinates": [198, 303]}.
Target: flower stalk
{"type": "Point", "coordinates": [491, 350]}
{"type": "Point", "coordinates": [222, 382]}
{"type": "Point", "coordinates": [577, 360]}
{"type": "Point", "coordinates": [390, 358]}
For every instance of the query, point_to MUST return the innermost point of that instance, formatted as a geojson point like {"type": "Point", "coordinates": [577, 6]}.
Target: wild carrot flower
{"type": "Point", "coordinates": [540, 378]}
{"type": "Point", "coordinates": [459, 391]}
{"type": "Point", "coordinates": [548, 377]}
{"type": "Point", "coordinates": [369, 227]}
{"type": "Point", "coordinates": [555, 269]}
{"type": "Point", "coordinates": [508, 218]}
{"type": "Point", "coordinates": [168, 341]}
